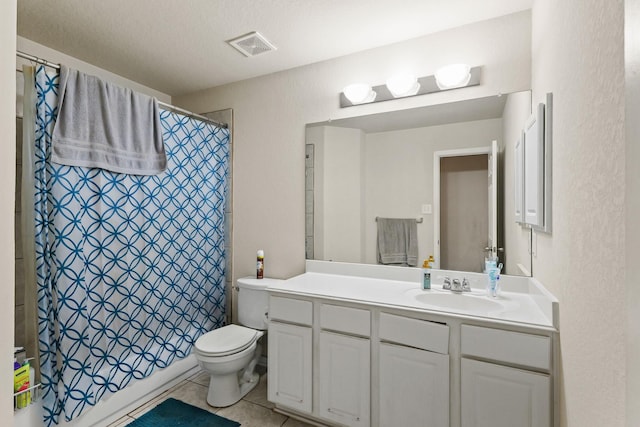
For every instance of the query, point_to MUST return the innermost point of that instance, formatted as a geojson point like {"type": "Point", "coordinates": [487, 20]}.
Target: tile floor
{"type": "Point", "coordinates": [254, 410]}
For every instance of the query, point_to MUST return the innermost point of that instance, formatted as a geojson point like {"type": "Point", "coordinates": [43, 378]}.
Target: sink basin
{"type": "Point", "coordinates": [459, 302]}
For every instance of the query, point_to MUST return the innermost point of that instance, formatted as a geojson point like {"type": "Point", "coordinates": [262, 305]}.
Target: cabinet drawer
{"type": "Point", "coordinates": [506, 346]}
{"type": "Point", "coordinates": [345, 319]}
{"type": "Point", "coordinates": [291, 310]}
{"type": "Point", "coordinates": [415, 333]}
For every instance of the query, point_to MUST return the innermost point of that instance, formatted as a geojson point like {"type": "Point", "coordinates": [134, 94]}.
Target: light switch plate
{"type": "Point", "coordinates": [426, 209]}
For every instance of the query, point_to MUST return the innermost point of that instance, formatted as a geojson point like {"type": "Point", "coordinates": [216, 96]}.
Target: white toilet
{"type": "Point", "coordinates": [230, 354]}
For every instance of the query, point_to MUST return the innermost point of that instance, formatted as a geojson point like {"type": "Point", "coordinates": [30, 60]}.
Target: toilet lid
{"type": "Point", "coordinates": [227, 340]}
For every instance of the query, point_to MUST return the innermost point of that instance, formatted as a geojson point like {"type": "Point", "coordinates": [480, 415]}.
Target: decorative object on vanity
{"type": "Point", "coordinates": [173, 412]}
{"type": "Point", "coordinates": [403, 85]}
{"type": "Point", "coordinates": [230, 354]}
{"type": "Point", "coordinates": [533, 169]}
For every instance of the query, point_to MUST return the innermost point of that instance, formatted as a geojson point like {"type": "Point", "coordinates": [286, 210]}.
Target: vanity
{"type": "Point", "coordinates": [364, 345]}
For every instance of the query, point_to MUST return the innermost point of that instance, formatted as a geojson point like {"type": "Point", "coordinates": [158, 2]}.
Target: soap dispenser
{"type": "Point", "coordinates": [426, 273]}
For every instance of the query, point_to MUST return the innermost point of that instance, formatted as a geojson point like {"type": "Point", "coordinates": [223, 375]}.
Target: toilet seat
{"type": "Point", "coordinates": [225, 341]}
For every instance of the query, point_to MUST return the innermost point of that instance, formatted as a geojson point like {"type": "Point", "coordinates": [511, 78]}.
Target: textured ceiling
{"type": "Point", "coordinates": [179, 47]}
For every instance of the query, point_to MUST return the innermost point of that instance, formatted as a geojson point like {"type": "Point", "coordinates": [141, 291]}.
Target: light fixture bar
{"type": "Point", "coordinates": [427, 85]}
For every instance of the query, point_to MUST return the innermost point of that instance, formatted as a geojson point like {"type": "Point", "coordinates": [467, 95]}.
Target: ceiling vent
{"type": "Point", "coordinates": [251, 44]}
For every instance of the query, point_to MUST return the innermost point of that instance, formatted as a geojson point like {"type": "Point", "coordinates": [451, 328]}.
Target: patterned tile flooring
{"type": "Point", "coordinates": [254, 410]}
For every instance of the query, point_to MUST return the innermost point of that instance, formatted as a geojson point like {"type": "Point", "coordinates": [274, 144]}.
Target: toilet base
{"type": "Point", "coordinates": [225, 390]}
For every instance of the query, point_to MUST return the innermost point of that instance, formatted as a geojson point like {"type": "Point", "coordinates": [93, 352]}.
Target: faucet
{"type": "Point", "coordinates": [455, 285]}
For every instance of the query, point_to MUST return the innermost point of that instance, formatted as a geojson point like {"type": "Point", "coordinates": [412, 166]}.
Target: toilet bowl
{"type": "Point", "coordinates": [230, 354]}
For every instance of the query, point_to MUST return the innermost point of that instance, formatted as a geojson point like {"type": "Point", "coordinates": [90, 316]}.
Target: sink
{"type": "Point", "coordinates": [459, 302]}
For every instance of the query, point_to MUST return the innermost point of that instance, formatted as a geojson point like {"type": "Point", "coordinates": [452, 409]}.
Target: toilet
{"type": "Point", "coordinates": [230, 354]}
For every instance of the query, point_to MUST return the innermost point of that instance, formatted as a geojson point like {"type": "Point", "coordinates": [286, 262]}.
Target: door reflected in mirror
{"type": "Point", "coordinates": [384, 165]}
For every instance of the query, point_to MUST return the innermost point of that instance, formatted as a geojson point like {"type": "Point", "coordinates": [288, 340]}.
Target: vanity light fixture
{"type": "Point", "coordinates": [359, 93]}
{"type": "Point", "coordinates": [453, 76]}
{"type": "Point", "coordinates": [403, 84]}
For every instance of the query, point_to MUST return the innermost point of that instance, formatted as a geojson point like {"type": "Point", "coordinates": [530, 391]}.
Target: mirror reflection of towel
{"type": "Point", "coordinates": [397, 241]}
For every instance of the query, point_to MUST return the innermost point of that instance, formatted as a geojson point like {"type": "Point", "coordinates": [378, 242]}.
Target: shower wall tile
{"type": "Point", "coordinates": [17, 230]}
{"type": "Point", "coordinates": [309, 225]}
{"type": "Point", "coordinates": [19, 290]}
{"type": "Point", "coordinates": [19, 327]}
{"type": "Point", "coordinates": [18, 201]}
{"type": "Point", "coordinates": [18, 141]}
{"type": "Point", "coordinates": [308, 183]}
{"type": "Point", "coordinates": [309, 155]}
{"type": "Point", "coordinates": [308, 201]}
{"type": "Point", "coordinates": [309, 247]}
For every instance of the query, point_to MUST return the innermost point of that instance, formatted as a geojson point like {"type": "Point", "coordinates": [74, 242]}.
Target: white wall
{"type": "Point", "coordinates": [577, 48]}
{"type": "Point", "coordinates": [57, 57]}
{"type": "Point", "coordinates": [340, 197]}
{"type": "Point", "coordinates": [7, 195]}
{"type": "Point", "coordinates": [516, 238]}
{"type": "Point", "coordinates": [407, 182]}
{"type": "Point", "coordinates": [271, 112]}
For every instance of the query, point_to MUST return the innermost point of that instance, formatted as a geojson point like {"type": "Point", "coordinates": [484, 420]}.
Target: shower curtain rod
{"type": "Point", "coordinates": [162, 104]}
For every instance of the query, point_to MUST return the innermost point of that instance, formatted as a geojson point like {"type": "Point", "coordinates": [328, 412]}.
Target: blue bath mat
{"type": "Point", "coordinates": [174, 413]}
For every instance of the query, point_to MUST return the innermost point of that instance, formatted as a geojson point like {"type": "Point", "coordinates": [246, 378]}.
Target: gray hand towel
{"type": "Point", "coordinates": [106, 126]}
{"type": "Point", "coordinates": [397, 241]}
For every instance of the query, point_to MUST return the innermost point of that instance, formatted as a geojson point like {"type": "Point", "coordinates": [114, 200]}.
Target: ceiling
{"type": "Point", "coordinates": [178, 47]}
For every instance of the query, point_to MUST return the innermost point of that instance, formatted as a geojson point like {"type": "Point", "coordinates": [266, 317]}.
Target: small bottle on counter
{"type": "Point", "coordinates": [260, 265]}
{"type": "Point", "coordinates": [426, 274]}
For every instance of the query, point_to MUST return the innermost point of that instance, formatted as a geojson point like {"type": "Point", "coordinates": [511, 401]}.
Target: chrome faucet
{"type": "Point", "coordinates": [455, 285]}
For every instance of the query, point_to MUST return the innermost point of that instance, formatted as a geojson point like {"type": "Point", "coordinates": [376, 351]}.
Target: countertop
{"type": "Point", "coordinates": [522, 301]}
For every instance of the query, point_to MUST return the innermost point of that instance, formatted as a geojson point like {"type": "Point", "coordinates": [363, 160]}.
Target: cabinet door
{"type": "Point", "coordinates": [344, 379]}
{"type": "Point", "coordinates": [414, 387]}
{"type": "Point", "coordinates": [289, 366]}
{"type": "Point", "coordinates": [499, 396]}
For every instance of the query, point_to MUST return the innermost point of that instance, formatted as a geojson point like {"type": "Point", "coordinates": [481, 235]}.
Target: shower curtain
{"type": "Point", "coordinates": [130, 269]}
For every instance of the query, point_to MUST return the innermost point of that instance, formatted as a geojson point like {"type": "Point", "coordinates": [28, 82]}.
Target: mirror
{"type": "Point", "coordinates": [382, 165]}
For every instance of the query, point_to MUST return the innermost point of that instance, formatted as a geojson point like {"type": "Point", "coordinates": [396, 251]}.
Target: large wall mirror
{"type": "Point", "coordinates": [386, 165]}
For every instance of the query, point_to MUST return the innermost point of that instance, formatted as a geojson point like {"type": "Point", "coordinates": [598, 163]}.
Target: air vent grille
{"type": "Point", "coordinates": [252, 44]}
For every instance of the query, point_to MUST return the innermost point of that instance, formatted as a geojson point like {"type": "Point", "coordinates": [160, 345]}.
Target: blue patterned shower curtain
{"type": "Point", "coordinates": [130, 269]}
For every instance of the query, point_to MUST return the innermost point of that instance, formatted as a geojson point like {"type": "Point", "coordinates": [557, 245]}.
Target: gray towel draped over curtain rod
{"type": "Point", "coordinates": [162, 104]}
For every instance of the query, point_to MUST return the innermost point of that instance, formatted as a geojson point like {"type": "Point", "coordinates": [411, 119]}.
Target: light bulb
{"type": "Point", "coordinates": [403, 84]}
{"type": "Point", "coordinates": [359, 93]}
{"type": "Point", "coordinates": [452, 76]}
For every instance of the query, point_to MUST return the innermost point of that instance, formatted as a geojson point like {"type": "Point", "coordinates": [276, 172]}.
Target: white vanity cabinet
{"type": "Point", "coordinates": [290, 353]}
{"type": "Point", "coordinates": [413, 372]}
{"type": "Point", "coordinates": [354, 351]}
{"type": "Point", "coordinates": [344, 365]}
{"type": "Point", "coordinates": [494, 394]}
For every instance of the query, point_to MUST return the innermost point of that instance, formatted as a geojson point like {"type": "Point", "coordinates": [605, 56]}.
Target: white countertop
{"type": "Point", "coordinates": [522, 301]}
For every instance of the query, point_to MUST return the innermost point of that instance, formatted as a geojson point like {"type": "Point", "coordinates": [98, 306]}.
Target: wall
{"type": "Point", "coordinates": [577, 53]}
{"type": "Point", "coordinates": [516, 238]}
{"type": "Point", "coordinates": [270, 114]}
{"type": "Point", "coordinates": [7, 195]}
{"type": "Point", "coordinates": [340, 197]}
{"type": "Point", "coordinates": [51, 55]}
{"type": "Point", "coordinates": [632, 196]}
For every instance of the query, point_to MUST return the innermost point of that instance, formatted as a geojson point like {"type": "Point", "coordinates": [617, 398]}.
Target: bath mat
{"type": "Point", "coordinates": [176, 413]}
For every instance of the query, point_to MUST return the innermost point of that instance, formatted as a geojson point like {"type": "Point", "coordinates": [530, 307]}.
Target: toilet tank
{"type": "Point", "coordinates": [253, 301]}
